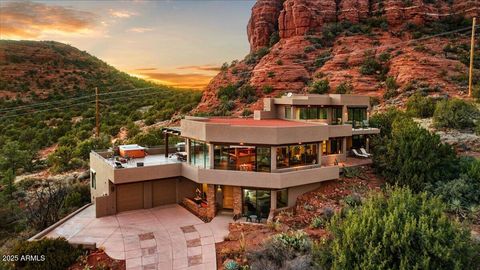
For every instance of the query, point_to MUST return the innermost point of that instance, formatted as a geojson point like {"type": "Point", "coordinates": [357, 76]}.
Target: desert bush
{"type": "Point", "coordinates": [247, 93]}
{"type": "Point", "coordinates": [412, 156]}
{"type": "Point", "coordinates": [58, 254]}
{"type": "Point", "coordinates": [246, 112]}
{"type": "Point", "coordinates": [267, 89]}
{"type": "Point", "coordinates": [380, 233]}
{"type": "Point", "coordinates": [455, 113]}
{"type": "Point", "coordinates": [420, 106]}
{"type": "Point", "coordinates": [320, 87]}
{"type": "Point", "coordinates": [227, 92]}
{"type": "Point", "coordinates": [353, 200]}
{"type": "Point", "coordinates": [283, 250]}
{"type": "Point", "coordinates": [391, 83]}
{"type": "Point", "coordinates": [344, 88]}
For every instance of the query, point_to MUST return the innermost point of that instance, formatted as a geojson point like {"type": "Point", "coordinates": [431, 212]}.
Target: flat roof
{"type": "Point", "coordinates": [257, 123]}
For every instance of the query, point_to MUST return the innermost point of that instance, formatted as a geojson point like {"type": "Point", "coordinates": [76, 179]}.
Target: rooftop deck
{"type": "Point", "coordinates": [154, 157]}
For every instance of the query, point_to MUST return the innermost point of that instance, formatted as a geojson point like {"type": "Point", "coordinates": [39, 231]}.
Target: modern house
{"type": "Point", "coordinates": [247, 165]}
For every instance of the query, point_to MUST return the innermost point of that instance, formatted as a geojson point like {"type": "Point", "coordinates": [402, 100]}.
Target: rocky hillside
{"type": "Point", "coordinates": [382, 48]}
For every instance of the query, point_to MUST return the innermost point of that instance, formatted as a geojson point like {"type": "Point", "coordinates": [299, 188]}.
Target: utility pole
{"type": "Point", "coordinates": [97, 115]}
{"type": "Point", "coordinates": [472, 48]}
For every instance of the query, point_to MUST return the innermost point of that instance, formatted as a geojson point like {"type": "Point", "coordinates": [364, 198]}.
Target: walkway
{"type": "Point", "coordinates": [167, 237]}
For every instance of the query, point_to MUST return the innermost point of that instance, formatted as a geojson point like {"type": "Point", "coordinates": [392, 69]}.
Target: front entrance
{"type": "Point", "coordinates": [227, 197]}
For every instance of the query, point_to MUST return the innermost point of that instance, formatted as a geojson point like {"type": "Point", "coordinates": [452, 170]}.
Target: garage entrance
{"type": "Point", "coordinates": [129, 197]}
{"type": "Point", "coordinates": [164, 192]}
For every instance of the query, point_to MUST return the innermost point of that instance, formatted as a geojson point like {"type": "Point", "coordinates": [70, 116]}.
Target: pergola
{"type": "Point", "coordinates": [167, 131]}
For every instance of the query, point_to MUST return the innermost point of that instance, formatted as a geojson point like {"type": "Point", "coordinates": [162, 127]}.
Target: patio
{"type": "Point", "coordinates": [167, 237]}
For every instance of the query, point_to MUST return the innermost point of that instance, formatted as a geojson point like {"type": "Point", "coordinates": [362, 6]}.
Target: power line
{"type": "Point", "coordinates": [71, 99]}
{"type": "Point", "coordinates": [76, 104]}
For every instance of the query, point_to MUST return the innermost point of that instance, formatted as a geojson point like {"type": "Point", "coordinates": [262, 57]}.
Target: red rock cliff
{"type": "Point", "coordinates": [295, 61]}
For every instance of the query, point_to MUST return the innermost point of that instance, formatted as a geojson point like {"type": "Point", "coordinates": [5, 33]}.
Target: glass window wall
{"type": "Point", "coordinates": [256, 202]}
{"type": "Point", "coordinates": [282, 198]}
{"type": "Point", "coordinates": [297, 155]}
{"type": "Point", "coordinates": [199, 154]}
{"type": "Point", "coordinates": [263, 159]}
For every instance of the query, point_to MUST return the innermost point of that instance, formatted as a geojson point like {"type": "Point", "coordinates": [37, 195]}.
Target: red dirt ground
{"type": "Point", "coordinates": [98, 259]}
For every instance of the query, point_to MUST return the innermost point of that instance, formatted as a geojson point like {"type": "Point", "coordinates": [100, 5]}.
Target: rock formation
{"type": "Point", "coordinates": [330, 40]}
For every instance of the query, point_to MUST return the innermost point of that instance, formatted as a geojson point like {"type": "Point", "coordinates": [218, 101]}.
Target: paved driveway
{"type": "Point", "coordinates": [167, 237]}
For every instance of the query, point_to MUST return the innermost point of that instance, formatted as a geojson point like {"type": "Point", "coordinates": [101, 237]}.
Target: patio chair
{"type": "Point", "coordinates": [363, 151]}
{"type": "Point", "coordinates": [355, 152]}
{"type": "Point", "coordinates": [118, 165]}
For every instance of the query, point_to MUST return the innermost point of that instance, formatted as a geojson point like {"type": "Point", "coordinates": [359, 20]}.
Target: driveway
{"type": "Point", "coordinates": [167, 237]}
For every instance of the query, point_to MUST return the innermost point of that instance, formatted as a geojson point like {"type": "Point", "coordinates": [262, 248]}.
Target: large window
{"type": "Point", "coordinates": [357, 116]}
{"type": "Point", "coordinates": [337, 116]}
{"type": "Point", "coordinates": [288, 112]}
{"type": "Point", "coordinates": [336, 145]}
{"type": "Point", "coordinates": [256, 202]}
{"type": "Point", "coordinates": [234, 157]}
{"type": "Point", "coordinates": [93, 178]}
{"type": "Point", "coordinates": [307, 113]}
{"type": "Point", "coordinates": [263, 159]}
{"type": "Point", "coordinates": [199, 154]}
{"type": "Point", "coordinates": [297, 155]}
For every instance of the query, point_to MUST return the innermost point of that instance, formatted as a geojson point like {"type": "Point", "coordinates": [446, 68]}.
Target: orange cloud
{"type": "Point", "coordinates": [202, 67]}
{"type": "Point", "coordinates": [30, 20]}
{"type": "Point", "coordinates": [193, 80]}
{"type": "Point", "coordinates": [146, 69]}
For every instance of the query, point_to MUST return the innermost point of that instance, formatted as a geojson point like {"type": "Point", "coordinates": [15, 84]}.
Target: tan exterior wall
{"type": "Point", "coordinates": [294, 192]}
{"type": "Point", "coordinates": [128, 175]}
{"type": "Point", "coordinates": [260, 179]}
{"type": "Point", "coordinates": [104, 174]}
{"type": "Point", "coordinates": [224, 133]}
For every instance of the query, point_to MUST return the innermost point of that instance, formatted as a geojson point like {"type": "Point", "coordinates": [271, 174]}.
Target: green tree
{"type": "Point", "coordinates": [320, 87]}
{"type": "Point", "coordinates": [455, 113]}
{"type": "Point", "coordinates": [13, 157]}
{"type": "Point", "coordinates": [412, 156]}
{"type": "Point", "coordinates": [420, 106]}
{"type": "Point", "coordinates": [8, 183]}
{"type": "Point", "coordinates": [399, 230]}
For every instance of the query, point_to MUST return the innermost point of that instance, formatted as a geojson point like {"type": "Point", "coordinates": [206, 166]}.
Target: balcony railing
{"type": "Point", "coordinates": [359, 124]}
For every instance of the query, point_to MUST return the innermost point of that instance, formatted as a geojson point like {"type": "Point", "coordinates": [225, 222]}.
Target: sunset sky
{"type": "Point", "coordinates": [175, 42]}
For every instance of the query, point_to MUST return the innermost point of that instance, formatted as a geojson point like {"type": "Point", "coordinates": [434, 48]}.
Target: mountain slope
{"type": "Point", "coordinates": [47, 99]}
{"type": "Point", "coordinates": [382, 48]}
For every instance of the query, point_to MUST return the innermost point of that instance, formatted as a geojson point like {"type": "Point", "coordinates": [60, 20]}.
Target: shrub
{"type": "Point", "coordinates": [353, 200]}
{"type": "Point", "coordinates": [320, 87]}
{"type": "Point", "coordinates": [391, 83]}
{"type": "Point", "coordinates": [454, 113]}
{"type": "Point", "coordinates": [247, 93]}
{"type": "Point", "coordinates": [274, 38]}
{"type": "Point", "coordinates": [344, 88]}
{"type": "Point", "coordinates": [420, 106]}
{"type": "Point", "coordinates": [322, 59]}
{"type": "Point", "coordinates": [279, 62]}
{"type": "Point", "coordinates": [59, 254]}
{"type": "Point", "coordinates": [231, 265]}
{"type": "Point", "coordinates": [412, 156]}
{"type": "Point", "coordinates": [267, 89]}
{"type": "Point", "coordinates": [309, 49]}
{"type": "Point", "coordinates": [317, 222]}
{"type": "Point", "coordinates": [381, 233]}
{"type": "Point", "coordinates": [246, 112]}
{"type": "Point", "coordinates": [228, 92]}
{"type": "Point", "coordinates": [283, 250]}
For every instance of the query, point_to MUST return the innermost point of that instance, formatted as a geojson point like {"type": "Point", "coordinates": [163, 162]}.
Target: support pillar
{"type": "Point", "coordinates": [273, 158]}
{"type": "Point", "coordinates": [166, 144]}
{"type": "Point", "coordinates": [273, 200]}
{"type": "Point", "coordinates": [211, 202]}
{"type": "Point", "coordinates": [237, 202]}
{"type": "Point", "coordinates": [319, 153]}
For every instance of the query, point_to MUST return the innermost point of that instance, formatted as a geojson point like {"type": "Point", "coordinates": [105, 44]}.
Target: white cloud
{"type": "Point", "coordinates": [140, 29]}
{"type": "Point", "coordinates": [122, 13]}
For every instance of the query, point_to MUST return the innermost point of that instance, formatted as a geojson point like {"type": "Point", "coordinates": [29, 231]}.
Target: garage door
{"type": "Point", "coordinates": [129, 197]}
{"type": "Point", "coordinates": [164, 192]}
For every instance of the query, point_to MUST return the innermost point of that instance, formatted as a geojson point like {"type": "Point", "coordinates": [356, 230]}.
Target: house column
{"type": "Point", "coordinates": [273, 199]}
{"type": "Point", "coordinates": [273, 158]}
{"type": "Point", "coordinates": [187, 148]}
{"type": "Point", "coordinates": [166, 144]}
{"type": "Point", "coordinates": [319, 154]}
{"type": "Point", "coordinates": [367, 143]}
{"type": "Point", "coordinates": [237, 202]}
{"type": "Point", "coordinates": [344, 114]}
{"type": "Point", "coordinates": [211, 156]}
{"type": "Point", "coordinates": [344, 145]}
{"type": "Point", "coordinates": [211, 202]}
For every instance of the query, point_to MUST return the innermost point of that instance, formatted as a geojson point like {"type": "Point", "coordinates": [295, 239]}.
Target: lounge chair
{"type": "Point", "coordinates": [363, 151]}
{"type": "Point", "coordinates": [355, 152]}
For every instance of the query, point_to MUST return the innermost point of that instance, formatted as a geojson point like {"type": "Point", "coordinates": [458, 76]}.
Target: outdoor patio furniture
{"type": "Point", "coordinates": [118, 165]}
{"type": "Point", "coordinates": [251, 218]}
{"type": "Point", "coordinates": [355, 152]}
{"type": "Point", "coordinates": [363, 151]}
